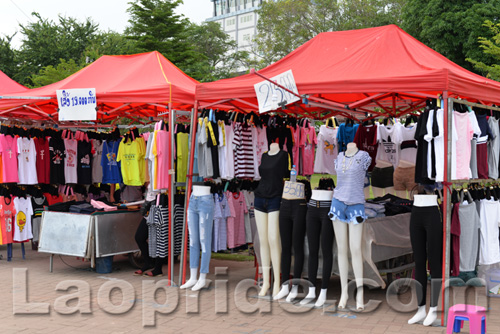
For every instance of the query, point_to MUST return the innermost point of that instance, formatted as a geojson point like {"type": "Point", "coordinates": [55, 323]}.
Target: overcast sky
{"type": "Point", "coordinates": [109, 14]}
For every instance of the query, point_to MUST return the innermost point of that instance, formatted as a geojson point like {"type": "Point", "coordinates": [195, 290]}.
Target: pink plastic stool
{"type": "Point", "coordinates": [457, 314]}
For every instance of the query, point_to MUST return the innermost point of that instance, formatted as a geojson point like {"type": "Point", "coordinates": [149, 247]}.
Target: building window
{"type": "Point", "coordinates": [246, 18]}
{"type": "Point", "coordinates": [232, 5]}
{"type": "Point", "coordinates": [248, 4]}
{"type": "Point", "coordinates": [230, 22]}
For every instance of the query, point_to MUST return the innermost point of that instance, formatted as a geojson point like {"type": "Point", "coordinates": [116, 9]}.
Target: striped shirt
{"type": "Point", "coordinates": [351, 173]}
{"type": "Point", "coordinates": [243, 155]}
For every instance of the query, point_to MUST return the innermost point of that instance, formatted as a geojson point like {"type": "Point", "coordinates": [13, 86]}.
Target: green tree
{"type": "Point", "coordinates": [46, 42]}
{"type": "Point", "coordinates": [284, 25]}
{"type": "Point", "coordinates": [50, 74]}
{"type": "Point", "coordinates": [217, 57]}
{"type": "Point", "coordinates": [490, 46]}
{"type": "Point", "coordinates": [8, 56]}
{"type": "Point", "coordinates": [108, 43]}
{"type": "Point", "coordinates": [452, 28]}
{"type": "Point", "coordinates": [154, 25]}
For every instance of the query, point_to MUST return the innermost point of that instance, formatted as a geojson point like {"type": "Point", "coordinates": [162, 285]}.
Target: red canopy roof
{"type": "Point", "coordinates": [362, 65]}
{"type": "Point", "coordinates": [125, 85]}
{"type": "Point", "coordinates": [7, 85]}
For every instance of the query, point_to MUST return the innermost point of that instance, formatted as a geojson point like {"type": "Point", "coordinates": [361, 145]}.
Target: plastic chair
{"type": "Point", "coordinates": [457, 314]}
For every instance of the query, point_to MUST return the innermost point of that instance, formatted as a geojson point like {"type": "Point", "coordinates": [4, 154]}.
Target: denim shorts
{"type": "Point", "coordinates": [267, 205]}
{"type": "Point", "coordinates": [347, 213]}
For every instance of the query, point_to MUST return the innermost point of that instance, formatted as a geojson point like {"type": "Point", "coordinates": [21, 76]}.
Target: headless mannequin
{"type": "Point", "coordinates": [378, 192]}
{"type": "Point", "coordinates": [349, 236]}
{"type": "Point", "coordinates": [193, 282]}
{"type": "Point", "coordinates": [291, 191]}
{"type": "Point", "coordinates": [270, 242]}
{"type": "Point", "coordinates": [318, 195]}
{"type": "Point", "coordinates": [429, 318]}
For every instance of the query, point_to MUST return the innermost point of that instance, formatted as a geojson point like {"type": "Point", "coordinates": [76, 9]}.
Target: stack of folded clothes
{"type": "Point", "coordinates": [393, 205]}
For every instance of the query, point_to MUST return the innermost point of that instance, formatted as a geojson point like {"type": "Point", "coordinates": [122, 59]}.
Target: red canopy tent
{"type": "Point", "coordinates": [7, 85]}
{"type": "Point", "coordinates": [359, 70]}
{"type": "Point", "coordinates": [134, 85]}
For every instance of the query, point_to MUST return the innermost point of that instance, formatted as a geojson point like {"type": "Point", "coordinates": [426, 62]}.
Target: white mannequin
{"type": "Point", "coordinates": [318, 195]}
{"type": "Point", "coordinates": [429, 318]}
{"type": "Point", "coordinates": [404, 164]}
{"type": "Point", "coordinates": [378, 192]}
{"type": "Point", "coordinates": [291, 191]}
{"type": "Point", "coordinates": [197, 284]}
{"type": "Point", "coordinates": [349, 237]}
{"type": "Point", "coordinates": [270, 242]}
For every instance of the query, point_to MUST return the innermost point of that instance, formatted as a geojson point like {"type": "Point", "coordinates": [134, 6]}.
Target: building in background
{"type": "Point", "coordinates": [238, 19]}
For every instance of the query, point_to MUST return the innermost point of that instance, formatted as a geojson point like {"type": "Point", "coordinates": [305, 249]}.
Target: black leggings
{"type": "Point", "coordinates": [292, 231]}
{"type": "Point", "coordinates": [319, 226]}
{"type": "Point", "coordinates": [426, 234]}
{"type": "Point", "coordinates": [141, 238]}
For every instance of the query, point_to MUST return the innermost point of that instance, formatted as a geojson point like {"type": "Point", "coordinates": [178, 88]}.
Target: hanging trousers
{"type": "Point", "coordinates": [319, 227]}
{"type": "Point", "coordinates": [141, 238]}
{"type": "Point", "coordinates": [426, 235]}
{"type": "Point", "coordinates": [292, 223]}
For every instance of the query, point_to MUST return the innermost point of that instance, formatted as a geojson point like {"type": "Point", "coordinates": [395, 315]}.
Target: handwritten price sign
{"type": "Point", "coordinates": [270, 96]}
{"type": "Point", "coordinates": [77, 104]}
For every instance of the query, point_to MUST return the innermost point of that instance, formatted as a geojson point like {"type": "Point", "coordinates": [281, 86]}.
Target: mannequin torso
{"type": "Point", "coordinates": [383, 164]}
{"type": "Point", "coordinates": [201, 190]}
{"type": "Point", "coordinates": [425, 200]}
{"type": "Point", "coordinates": [273, 149]}
{"type": "Point", "coordinates": [322, 195]}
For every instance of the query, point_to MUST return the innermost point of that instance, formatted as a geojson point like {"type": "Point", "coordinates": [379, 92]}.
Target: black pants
{"type": "Point", "coordinates": [319, 227]}
{"type": "Point", "coordinates": [426, 235]}
{"type": "Point", "coordinates": [292, 232]}
{"type": "Point", "coordinates": [141, 238]}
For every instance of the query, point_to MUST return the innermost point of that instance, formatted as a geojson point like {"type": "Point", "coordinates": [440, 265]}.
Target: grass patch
{"type": "Point", "coordinates": [232, 257]}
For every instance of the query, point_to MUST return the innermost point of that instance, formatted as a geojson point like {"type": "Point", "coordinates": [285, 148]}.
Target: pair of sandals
{"type": "Point", "coordinates": [145, 272]}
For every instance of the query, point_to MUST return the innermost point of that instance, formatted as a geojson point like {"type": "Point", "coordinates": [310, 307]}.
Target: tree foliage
{"type": "Point", "coordinates": [284, 25]}
{"type": "Point", "coordinates": [490, 46]}
{"type": "Point", "coordinates": [218, 56]}
{"type": "Point", "coordinates": [452, 28]}
{"type": "Point", "coordinates": [8, 56]}
{"type": "Point", "coordinates": [50, 74]}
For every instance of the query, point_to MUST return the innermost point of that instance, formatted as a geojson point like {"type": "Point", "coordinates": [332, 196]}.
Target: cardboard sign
{"type": "Point", "coordinates": [270, 96]}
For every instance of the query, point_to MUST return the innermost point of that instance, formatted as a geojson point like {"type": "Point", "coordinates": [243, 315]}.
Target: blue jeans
{"type": "Point", "coordinates": [200, 223]}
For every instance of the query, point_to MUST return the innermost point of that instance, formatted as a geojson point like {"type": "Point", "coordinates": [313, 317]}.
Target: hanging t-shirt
{"type": "Point", "coordinates": [110, 166]}
{"type": "Point", "coordinates": [22, 227]}
{"type": "Point", "coordinates": [229, 160]}
{"type": "Point", "coordinates": [7, 219]}
{"type": "Point", "coordinates": [163, 159]}
{"type": "Point", "coordinates": [296, 133]}
{"type": "Point", "coordinates": [469, 241]}
{"type": "Point", "coordinates": [490, 218]}
{"type": "Point", "coordinates": [236, 224]}
{"type": "Point", "coordinates": [422, 150]}
{"type": "Point", "coordinates": [150, 159]}
{"type": "Point", "coordinates": [26, 161]}
{"type": "Point", "coordinates": [243, 160]}
{"type": "Point", "coordinates": [389, 140]}
{"type": "Point", "coordinates": [8, 145]}
{"type": "Point", "coordinates": [70, 160]}
{"type": "Point", "coordinates": [221, 213]}
{"type": "Point", "coordinates": [493, 148]}
{"type": "Point", "coordinates": [408, 146]}
{"type": "Point", "coordinates": [345, 135]}
{"type": "Point", "coordinates": [259, 136]}
{"type": "Point", "coordinates": [366, 140]}
{"type": "Point", "coordinates": [42, 160]}
{"type": "Point", "coordinates": [96, 161]}
{"type": "Point", "coordinates": [182, 156]}
{"type": "Point", "coordinates": [213, 143]}
{"type": "Point", "coordinates": [38, 205]}
{"type": "Point", "coordinates": [84, 166]}
{"type": "Point", "coordinates": [131, 155]}
{"type": "Point", "coordinates": [223, 147]}
{"type": "Point", "coordinates": [308, 142]}
{"type": "Point", "coordinates": [57, 155]}
{"type": "Point", "coordinates": [205, 166]}
{"type": "Point", "coordinates": [462, 153]}
{"type": "Point", "coordinates": [351, 177]}
{"type": "Point", "coordinates": [435, 139]}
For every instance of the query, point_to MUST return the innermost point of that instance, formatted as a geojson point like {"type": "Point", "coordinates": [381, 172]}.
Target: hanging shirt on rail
{"type": "Point", "coordinates": [24, 212]}
{"type": "Point", "coordinates": [162, 152]}
{"type": "Point", "coordinates": [131, 156]}
{"type": "Point", "coordinates": [84, 162]}
{"type": "Point", "coordinates": [96, 161]}
{"type": "Point", "coordinates": [57, 155]}
{"type": "Point", "coordinates": [7, 219]}
{"type": "Point", "coordinates": [42, 160]}
{"type": "Point", "coordinates": [27, 161]}
{"type": "Point", "coordinates": [110, 166]}
{"type": "Point", "coordinates": [366, 140]}
{"type": "Point", "coordinates": [8, 145]}
{"type": "Point", "coordinates": [243, 160]}
{"type": "Point", "coordinates": [308, 143]}
{"type": "Point", "coordinates": [345, 135]}
{"type": "Point", "coordinates": [70, 160]}
{"type": "Point", "coordinates": [389, 140]}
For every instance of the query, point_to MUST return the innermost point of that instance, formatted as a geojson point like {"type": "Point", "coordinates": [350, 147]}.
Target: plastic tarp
{"type": "Point", "coordinates": [131, 83]}
{"type": "Point", "coordinates": [349, 66]}
{"type": "Point", "coordinates": [7, 85]}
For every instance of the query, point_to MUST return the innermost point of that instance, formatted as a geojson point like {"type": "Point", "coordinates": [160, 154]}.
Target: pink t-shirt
{"type": "Point", "coordinates": [8, 146]}
{"type": "Point", "coordinates": [236, 222]}
{"type": "Point", "coordinates": [70, 172]}
{"type": "Point", "coordinates": [296, 145]}
{"type": "Point", "coordinates": [464, 128]}
{"type": "Point", "coordinates": [162, 152]}
{"type": "Point", "coordinates": [308, 142]}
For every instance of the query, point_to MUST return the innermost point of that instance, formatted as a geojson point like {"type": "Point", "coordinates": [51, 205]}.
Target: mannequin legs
{"type": "Point", "coordinates": [349, 237]}
{"type": "Point", "coordinates": [270, 249]}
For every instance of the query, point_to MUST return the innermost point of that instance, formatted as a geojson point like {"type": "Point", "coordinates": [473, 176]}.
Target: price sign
{"type": "Point", "coordinates": [77, 104]}
{"type": "Point", "coordinates": [270, 96]}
